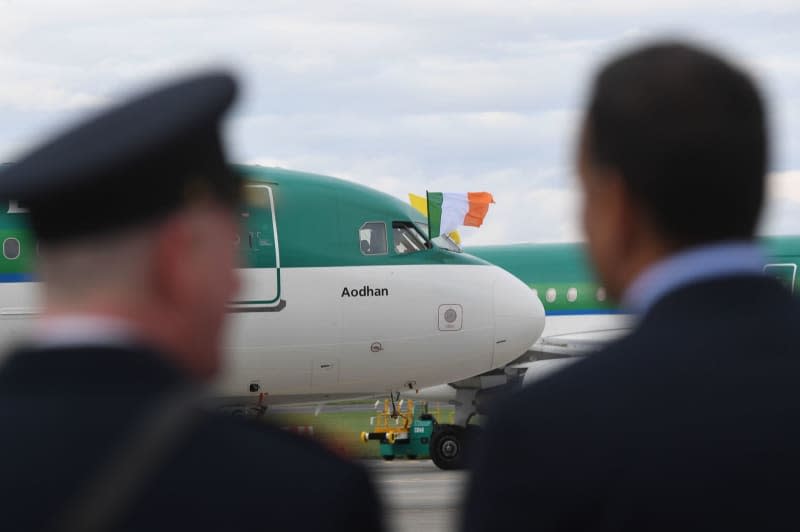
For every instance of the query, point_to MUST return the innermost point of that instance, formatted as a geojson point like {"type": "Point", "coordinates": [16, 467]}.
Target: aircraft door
{"type": "Point", "coordinates": [258, 243]}
{"type": "Point", "coordinates": [785, 273]}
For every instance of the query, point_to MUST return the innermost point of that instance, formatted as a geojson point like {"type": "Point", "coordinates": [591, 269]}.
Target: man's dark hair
{"type": "Point", "coordinates": [686, 130]}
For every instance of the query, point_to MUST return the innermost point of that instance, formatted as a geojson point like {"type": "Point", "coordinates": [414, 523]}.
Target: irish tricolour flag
{"type": "Point", "coordinates": [447, 211]}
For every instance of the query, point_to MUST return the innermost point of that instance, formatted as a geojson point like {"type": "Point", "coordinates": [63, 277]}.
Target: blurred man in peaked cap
{"type": "Point", "coordinates": [690, 422]}
{"type": "Point", "coordinates": [135, 213]}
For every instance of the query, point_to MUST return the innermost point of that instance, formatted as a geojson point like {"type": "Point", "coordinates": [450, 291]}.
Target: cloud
{"type": "Point", "coordinates": [409, 96]}
{"type": "Point", "coordinates": [43, 95]}
{"type": "Point", "coordinates": [785, 186]}
{"type": "Point", "coordinates": [782, 215]}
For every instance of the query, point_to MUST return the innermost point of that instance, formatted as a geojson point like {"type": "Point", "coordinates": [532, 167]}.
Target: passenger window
{"type": "Point", "coordinates": [373, 238]}
{"type": "Point", "coordinates": [601, 294]}
{"type": "Point", "coordinates": [784, 273]}
{"type": "Point", "coordinates": [11, 248]}
{"type": "Point", "coordinates": [572, 295]}
{"type": "Point", "coordinates": [407, 238]}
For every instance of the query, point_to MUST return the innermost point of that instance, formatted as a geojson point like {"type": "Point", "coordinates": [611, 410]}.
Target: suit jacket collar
{"type": "Point", "coordinates": [714, 297]}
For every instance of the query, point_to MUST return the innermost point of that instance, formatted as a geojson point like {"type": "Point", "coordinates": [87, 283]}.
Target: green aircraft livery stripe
{"type": "Point", "coordinates": [566, 284]}
{"type": "Point", "coordinates": [317, 222]}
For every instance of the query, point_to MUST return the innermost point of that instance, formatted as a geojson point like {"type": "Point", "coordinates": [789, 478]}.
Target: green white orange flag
{"type": "Point", "coordinates": [420, 203]}
{"type": "Point", "coordinates": [447, 211]}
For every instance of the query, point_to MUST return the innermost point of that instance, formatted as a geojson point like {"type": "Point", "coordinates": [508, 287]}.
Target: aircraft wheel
{"type": "Point", "coordinates": [388, 457]}
{"type": "Point", "coordinates": [447, 447]}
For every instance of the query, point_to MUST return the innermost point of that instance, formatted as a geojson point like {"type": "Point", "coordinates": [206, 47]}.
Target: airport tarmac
{"type": "Point", "coordinates": [417, 496]}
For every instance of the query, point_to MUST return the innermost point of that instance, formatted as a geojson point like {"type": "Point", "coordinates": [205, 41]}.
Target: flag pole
{"type": "Point", "coordinates": [428, 206]}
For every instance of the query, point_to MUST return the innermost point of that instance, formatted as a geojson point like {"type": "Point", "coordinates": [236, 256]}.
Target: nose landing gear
{"type": "Point", "coordinates": [451, 444]}
{"type": "Point", "coordinates": [447, 447]}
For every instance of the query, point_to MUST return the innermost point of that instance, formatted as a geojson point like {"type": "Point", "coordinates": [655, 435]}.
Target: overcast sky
{"type": "Point", "coordinates": [400, 95]}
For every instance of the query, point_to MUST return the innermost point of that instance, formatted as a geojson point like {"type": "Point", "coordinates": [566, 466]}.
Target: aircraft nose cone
{"type": "Point", "coordinates": [518, 318]}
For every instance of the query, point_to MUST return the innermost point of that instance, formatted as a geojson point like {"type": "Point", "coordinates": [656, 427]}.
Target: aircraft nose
{"type": "Point", "coordinates": [518, 318]}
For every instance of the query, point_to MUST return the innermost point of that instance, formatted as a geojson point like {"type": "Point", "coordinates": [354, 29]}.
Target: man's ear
{"type": "Point", "coordinates": [625, 213]}
{"type": "Point", "coordinates": [173, 251]}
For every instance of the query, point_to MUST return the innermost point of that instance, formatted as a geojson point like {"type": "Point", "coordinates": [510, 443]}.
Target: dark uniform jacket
{"type": "Point", "coordinates": [64, 411]}
{"type": "Point", "coordinates": [690, 423]}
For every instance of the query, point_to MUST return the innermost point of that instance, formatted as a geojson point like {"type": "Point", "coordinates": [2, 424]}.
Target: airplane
{"type": "Point", "coordinates": [343, 296]}
{"type": "Point", "coordinates": [580, 317]}
{"type": "Point", "coordinates": [579, 320]}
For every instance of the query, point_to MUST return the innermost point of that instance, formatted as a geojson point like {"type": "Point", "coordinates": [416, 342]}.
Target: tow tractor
{"type": "Point", "coordinates": [400, 432]}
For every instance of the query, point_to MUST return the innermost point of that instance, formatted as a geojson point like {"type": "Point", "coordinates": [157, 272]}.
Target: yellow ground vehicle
{"type": "Point", "coordinates": [400, 433]}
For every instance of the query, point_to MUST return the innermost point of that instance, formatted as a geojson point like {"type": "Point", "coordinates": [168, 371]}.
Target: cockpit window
{"type": "Point", "coordinates": [373, 238]}
{"type": "Point", "coordinates": [407, 238]}
{"type": "Point", "coordinates": [444, 242]}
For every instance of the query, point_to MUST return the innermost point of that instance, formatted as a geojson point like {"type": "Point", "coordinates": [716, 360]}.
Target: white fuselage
{"type": "Point", "coordinates": [351, 331]}
{"type": "Point", "coordinates": [569, 338]}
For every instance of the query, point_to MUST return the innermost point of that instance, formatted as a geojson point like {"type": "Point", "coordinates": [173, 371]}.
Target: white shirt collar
{"type": "Point", "coordinates": [692, 265]}
{"type": "Point", "coordinates": [82, 329]}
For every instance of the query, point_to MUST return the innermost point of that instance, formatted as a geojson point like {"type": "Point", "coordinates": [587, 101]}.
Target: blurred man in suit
{"type": "Point", "coordinates": [690, 422]}
{"type": "Point", "coordinates": [135, 211]}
